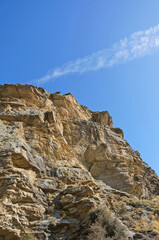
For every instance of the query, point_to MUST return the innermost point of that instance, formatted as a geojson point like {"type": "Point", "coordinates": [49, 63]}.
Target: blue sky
{"type": "Point", "coordinates": [39, 37]}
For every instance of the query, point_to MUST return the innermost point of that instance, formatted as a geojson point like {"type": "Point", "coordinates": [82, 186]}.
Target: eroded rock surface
{"type": "Point", "coordinates": [59, 161]}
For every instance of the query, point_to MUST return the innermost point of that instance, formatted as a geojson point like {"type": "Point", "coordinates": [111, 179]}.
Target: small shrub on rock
{"type": "Point", "coordinates": [28, 237]}
{"type": "Point", "coordinates": [106, 226]}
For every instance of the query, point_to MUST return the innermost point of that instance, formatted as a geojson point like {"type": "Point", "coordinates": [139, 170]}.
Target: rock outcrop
{"type": "Point", "coordinates": [59, 161]}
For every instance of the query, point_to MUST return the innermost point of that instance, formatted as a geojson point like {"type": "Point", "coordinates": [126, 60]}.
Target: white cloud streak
{"type": "Point", "coordinates": [137, 45]}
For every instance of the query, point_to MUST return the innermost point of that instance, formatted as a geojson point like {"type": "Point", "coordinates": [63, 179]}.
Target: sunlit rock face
{"type": "Point", "coordinates": [59, 161]}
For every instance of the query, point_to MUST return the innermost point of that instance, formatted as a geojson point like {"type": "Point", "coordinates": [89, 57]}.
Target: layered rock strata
{"type": "Point", "coordinates": [59, 161]}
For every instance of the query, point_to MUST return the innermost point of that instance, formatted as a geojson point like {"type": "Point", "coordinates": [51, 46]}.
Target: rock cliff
{"type": "Point", "coordinates": [60, 162]}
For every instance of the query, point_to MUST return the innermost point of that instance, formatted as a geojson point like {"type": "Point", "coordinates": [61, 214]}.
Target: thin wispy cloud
{"type": "Point", "coordinates": [137, 45]}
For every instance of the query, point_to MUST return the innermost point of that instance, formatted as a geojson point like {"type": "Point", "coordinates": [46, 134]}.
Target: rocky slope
{"type": "Point", "coordinates": [59, 161]}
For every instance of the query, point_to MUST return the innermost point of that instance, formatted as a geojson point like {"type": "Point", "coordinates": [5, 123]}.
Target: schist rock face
{"type": "Point", "coordinates": [59, 161]}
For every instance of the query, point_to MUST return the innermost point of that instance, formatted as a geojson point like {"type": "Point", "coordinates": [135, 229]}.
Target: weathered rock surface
{"type": "Point", "coordinates": [59, 161]}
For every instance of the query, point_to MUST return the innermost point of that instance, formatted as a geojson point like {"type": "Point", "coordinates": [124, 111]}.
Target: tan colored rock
{"type": "Point", "coordinates": [102, 118]}
{"type": "Point", "coordinates": [59, 161]}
